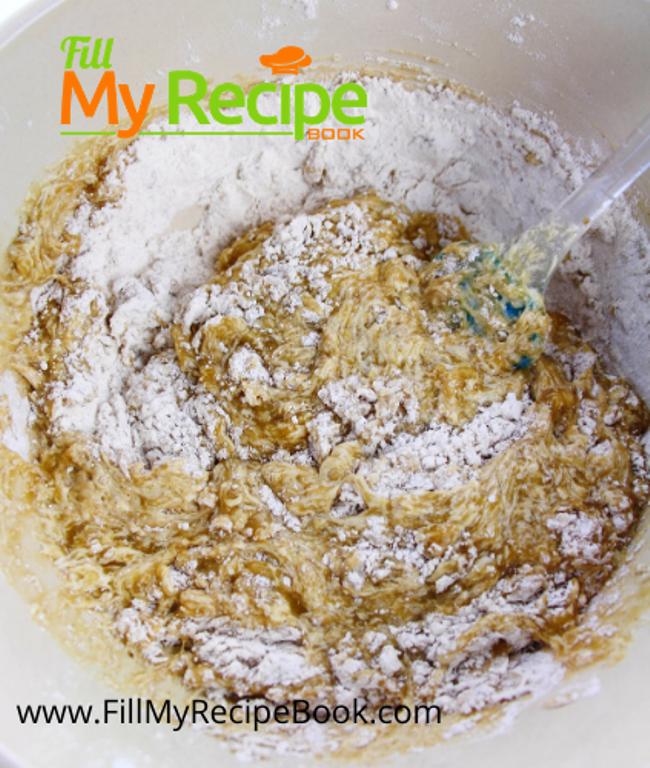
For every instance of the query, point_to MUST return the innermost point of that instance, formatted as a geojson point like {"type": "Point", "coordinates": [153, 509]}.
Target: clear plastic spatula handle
{"type": "Point", "coordinates": [537, 252]}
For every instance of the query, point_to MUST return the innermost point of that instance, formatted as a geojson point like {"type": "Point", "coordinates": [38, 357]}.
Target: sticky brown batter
{"type": "Point", "coordinates": [401, 502]}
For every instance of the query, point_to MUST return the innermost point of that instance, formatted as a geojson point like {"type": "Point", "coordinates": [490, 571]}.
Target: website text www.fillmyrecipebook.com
{"type": "Point", "coordinates": [136, 711]}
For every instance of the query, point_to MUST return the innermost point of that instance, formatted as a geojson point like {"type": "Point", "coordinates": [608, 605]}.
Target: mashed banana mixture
{"type": "Point", "coordinates": [395, 502]}
{"type": "Point", "coordinates": [398, 494]}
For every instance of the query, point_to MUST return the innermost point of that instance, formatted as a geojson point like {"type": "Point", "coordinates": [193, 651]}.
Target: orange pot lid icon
{"type": "Point", "coordinates": [286, 61]}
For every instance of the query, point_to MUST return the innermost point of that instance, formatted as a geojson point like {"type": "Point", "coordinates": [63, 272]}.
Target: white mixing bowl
{"type": "Point", "coordinates": [586, 61]}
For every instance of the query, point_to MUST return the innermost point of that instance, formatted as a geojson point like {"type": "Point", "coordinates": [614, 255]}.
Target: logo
{"type": "Point", "coordinates": [286, 61]}
{"type": "Point", "coordinates": [297, 106]}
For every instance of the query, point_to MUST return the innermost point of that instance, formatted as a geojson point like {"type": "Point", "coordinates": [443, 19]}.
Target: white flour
{"type": "Point", "coordinates": [15, 437]}
{"type": "Point", "coordinates": [442, 457]}
{"type": "Point", "coordinates": [143, 271]}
